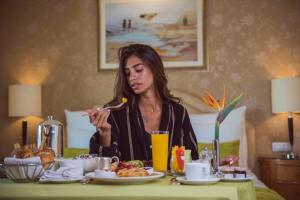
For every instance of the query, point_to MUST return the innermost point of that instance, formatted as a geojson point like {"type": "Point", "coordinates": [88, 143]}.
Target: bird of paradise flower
{"type": "Point", "coordinates": [220, 107]}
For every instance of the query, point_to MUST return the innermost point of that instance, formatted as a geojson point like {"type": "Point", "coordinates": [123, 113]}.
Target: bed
{"type": "Point", "coordinates": [235, 127]}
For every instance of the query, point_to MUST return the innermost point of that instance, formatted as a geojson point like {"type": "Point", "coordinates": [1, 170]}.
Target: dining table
{"type": "Point", "coordinates": [163, 188]}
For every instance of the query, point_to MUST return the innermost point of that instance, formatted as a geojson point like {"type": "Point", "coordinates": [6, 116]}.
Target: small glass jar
{"type": "Point", "coordinates": [178, 161]}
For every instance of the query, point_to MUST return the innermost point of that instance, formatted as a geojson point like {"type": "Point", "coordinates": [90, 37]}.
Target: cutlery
{"type": "Point", "coordinates": [99, 108]}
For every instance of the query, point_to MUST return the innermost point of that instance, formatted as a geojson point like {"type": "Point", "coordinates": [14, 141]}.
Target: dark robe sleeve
{"type": "Point", "coordinates": [113, 150]}
{"type": "Point", "coordinates": [189, 138]}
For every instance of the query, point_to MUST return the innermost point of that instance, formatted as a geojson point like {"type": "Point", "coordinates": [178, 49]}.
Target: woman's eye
{"type": "Point", "coordinates": [139, 68]}
{"type": "Point", "coordinates": [127, 73]}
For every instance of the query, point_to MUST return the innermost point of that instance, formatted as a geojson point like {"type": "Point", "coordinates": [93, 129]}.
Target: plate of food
{"type": "Point", "coordinates": [127, 179]}
{"type": "Point", "coordinates": [125, 172]}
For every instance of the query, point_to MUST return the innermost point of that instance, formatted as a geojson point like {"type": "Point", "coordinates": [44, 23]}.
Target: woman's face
{"type": "Point", "coordinates": [139, 76]}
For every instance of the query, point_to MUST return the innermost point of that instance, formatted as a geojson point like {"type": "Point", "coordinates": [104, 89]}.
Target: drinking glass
{"type": "Point", "coordinates": [177, 162]}
{"type": "Point", "coordinates": [160, 142]}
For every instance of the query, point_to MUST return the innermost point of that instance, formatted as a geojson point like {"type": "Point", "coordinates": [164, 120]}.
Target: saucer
{"type": "Point", "coordinates": [204, 181]}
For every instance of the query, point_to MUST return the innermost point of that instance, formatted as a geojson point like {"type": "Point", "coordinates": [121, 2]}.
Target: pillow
{"type": "Point", "coordinates": [226, 148]}
{"type": "Point", "coordinates": [74, 152]}
{"type": "Point", "coordinates": [232, 128]}
{"type": "Point", "coordinates": [79, 129]}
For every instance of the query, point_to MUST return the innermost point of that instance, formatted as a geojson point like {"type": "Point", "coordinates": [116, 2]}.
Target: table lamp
{"type": "Point", "coordinates": [286, 99]}
{"type": "Point", "coordinates": [23, 101]}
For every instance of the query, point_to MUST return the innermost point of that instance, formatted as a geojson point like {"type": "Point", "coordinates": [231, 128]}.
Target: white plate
{"type": "Point", "coordinates": [237, 179]}
{"type": "Point", "coordinates": [206, 181]}
{"type": "Point", "coordinates": [60, 180]}
{"type": "Point", "coordinates": [117, 180]}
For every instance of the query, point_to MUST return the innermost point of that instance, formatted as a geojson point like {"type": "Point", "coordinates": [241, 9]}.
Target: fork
{"type": "Point", "coordinates": [107, 108]}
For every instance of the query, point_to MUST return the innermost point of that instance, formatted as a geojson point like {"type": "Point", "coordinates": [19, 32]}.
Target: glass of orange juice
{"type": "Point", "coordinates": [160, 142]}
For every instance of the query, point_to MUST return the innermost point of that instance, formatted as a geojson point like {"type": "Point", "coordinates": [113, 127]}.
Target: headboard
{"type": "Point", "coordinates": [195, 106]}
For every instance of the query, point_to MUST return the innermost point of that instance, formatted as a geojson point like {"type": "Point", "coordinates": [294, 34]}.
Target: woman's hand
{"type": "Point", "coordinates": [99, 119]}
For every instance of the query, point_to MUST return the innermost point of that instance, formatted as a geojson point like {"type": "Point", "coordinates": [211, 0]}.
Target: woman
{"type": "Point", "coordinates": [126, 132]}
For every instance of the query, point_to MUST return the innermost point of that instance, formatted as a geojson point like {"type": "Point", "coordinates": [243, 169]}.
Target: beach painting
{"type": "Point", "coordinates": [174, 28]}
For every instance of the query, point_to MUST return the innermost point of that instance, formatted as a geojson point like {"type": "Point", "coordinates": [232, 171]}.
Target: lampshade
{"type": "Point", "coordinates": [24, 100]}
{"type": "Point", "coordinates": [286, 95]}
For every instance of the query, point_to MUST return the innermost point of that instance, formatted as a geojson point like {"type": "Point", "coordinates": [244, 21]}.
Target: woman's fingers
{"type": "Point", "coordinates": [103, 120]}
{"type": "Point", "coordinates": [98, 117]}
{"type": "Point", "coordinates": [92, 115]}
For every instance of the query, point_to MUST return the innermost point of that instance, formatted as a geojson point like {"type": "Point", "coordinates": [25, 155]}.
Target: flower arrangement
{"type": "Point", "coordinates": [219, 106]}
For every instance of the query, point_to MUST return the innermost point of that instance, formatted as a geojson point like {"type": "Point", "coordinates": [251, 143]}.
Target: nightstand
{"type": "Point", "coordinates": [281, 175]}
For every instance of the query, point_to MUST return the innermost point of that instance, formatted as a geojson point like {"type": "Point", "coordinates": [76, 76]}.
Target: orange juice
{"type": "Point", "coordinates": [160, 151]}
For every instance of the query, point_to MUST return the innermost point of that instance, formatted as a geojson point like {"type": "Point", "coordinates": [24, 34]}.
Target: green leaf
{"type": "Point", "coordinates": [217, 130]}
{"type": "Point", "coordinates": [223, 113]}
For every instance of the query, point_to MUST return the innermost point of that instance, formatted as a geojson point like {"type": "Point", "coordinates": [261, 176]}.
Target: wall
{"type": "Point", "coordinates": [55, 43]}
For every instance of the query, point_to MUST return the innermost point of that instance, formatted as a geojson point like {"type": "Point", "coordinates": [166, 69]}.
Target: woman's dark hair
{"type": "Point", "coordinates": [153, 61]}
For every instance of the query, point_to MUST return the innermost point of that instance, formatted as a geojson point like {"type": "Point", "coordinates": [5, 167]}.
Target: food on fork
{"type": "Point", "coordinates": [124, 100]}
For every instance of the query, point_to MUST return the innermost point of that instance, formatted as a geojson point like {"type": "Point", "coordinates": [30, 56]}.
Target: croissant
{"type": "Point", "coordinates": [46, 154]}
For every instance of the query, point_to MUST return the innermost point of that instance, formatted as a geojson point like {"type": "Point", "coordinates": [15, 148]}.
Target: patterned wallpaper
{"type": "Point", "coordinates": [55, 43]}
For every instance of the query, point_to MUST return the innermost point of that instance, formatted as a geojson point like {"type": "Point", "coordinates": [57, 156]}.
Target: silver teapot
{"type": "Point", "coordinates": [50, 135]}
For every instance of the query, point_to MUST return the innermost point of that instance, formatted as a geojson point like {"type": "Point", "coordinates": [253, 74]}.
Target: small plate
{"type": "Point", "coordinates": [125, 180]}
{"type": "Point", "coordinates": [248, 178]}
{"type": "Point", "coordinates": [73, 180]}
{"type": "Point", "coordinates": [206, 181]}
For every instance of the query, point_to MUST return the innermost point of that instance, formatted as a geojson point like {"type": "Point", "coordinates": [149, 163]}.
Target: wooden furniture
{"type": "Point", "coordinates": [282, 175]}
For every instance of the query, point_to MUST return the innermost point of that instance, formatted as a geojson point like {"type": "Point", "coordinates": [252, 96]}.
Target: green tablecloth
{"type": "Point", "coordinates": [159, 189]}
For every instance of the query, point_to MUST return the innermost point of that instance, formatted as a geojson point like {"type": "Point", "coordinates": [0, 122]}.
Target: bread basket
{"type": "Point", "coordinates": [23, 173]}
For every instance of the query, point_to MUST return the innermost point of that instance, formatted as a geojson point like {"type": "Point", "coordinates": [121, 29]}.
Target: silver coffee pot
{"type": "Point", "coordinates": [51, 133]}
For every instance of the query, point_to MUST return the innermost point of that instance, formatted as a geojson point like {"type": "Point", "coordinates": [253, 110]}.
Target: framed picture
{"type": "Point", "coordinates": [175, 29]}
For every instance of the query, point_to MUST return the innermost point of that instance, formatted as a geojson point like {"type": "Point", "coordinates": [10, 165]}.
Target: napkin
{"type": "Point", "coordinates": [62, 173]}
{"type": "Point", "coordinates": [26, 171]}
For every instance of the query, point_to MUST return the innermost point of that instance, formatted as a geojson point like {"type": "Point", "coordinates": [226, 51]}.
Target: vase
{"type": "Point", "coordinates": [216, 156]}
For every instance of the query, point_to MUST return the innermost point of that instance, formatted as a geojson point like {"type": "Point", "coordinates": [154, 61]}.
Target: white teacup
{"type": "Point", "coordinates": [197, 170]}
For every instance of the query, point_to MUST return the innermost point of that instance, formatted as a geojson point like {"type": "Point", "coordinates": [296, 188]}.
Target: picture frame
{"type": "Point", "coordinates": [176, 32]}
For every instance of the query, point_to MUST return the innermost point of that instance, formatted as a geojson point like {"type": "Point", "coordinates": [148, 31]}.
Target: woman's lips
{"type": "Point", "coordinates": [135, 86]}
